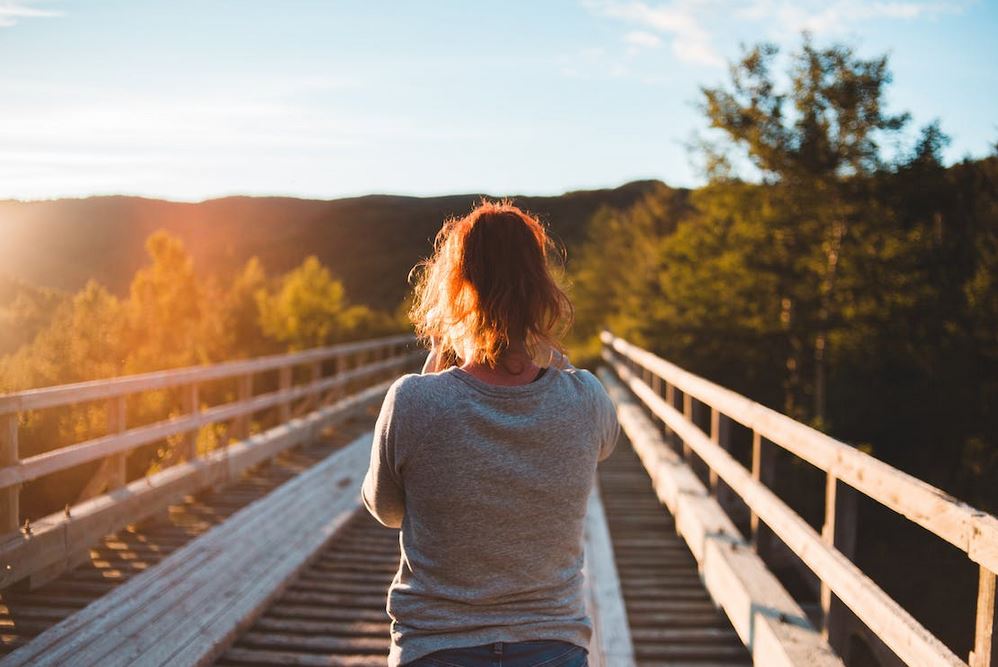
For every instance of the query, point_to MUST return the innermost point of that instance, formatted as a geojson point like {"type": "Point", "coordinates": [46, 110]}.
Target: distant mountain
{"type": "Point", "coordinates": [369, 242]}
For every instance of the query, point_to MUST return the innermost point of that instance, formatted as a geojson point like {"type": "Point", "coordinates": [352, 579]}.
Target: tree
{"type": "Point", "coordinates": [812, 143]}
{"type": "Point", "coordinates": [307, 310]}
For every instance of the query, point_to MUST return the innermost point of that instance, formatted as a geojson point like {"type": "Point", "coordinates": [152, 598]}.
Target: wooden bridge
{"type": "Point", "coordinates": [258, 551]}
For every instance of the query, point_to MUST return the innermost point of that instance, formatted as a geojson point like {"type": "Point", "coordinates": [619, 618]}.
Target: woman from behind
{"type": "Point", "coordinates": [486, 459]}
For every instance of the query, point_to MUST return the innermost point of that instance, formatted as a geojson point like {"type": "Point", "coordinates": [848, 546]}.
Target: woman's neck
{"type": "Point", "coordinates": [514, 359]}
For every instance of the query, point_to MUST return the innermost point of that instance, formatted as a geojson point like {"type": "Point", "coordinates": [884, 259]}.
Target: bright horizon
{"type": "Point", "coordinates": [190, 101]}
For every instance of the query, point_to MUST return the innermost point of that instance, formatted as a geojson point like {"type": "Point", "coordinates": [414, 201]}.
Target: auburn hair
{"type": "Point", "coordinates": [491, 282]}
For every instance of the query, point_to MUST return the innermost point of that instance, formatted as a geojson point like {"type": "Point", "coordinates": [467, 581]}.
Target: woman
{"type": "Point", "coordinates": [487, 458]}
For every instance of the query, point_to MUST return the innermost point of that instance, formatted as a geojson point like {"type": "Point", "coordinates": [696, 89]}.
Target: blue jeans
{"type": "Point", "coordinates": [541, 653]}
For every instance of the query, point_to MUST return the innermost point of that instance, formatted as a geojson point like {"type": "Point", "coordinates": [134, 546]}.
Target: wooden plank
{"type": "Point", "coordinates": [984, 632]}
{"type": "Point", "coordinates": [284, 387]}
{"type": "Point", "coordinates": [838, 531]}
{"type": "Point", "coordinates": [73, 455]}
{"type": "Point", "coordinates": [48, 397]}
{"type": "Point", "coordinates": [765, 617]}
{"type": "Point", "coordinates": [192, 406]}
{"type": "Point", "coordinates": [194, 618]}
{"type": "Point", "coordinates": [117, 463]}
{"type": "Point", "coordinates": [55, 538]}
{"type": "Point", "coordinates": [244, 394]}
{"type": "Point", "coordinates": [9, 497]}
{"type": "Point", "coordinates": [892, 623]}
{"type": "Point", "coordinates": [611, 642]}
{"type": "Point", "coordinates": [952, 520]}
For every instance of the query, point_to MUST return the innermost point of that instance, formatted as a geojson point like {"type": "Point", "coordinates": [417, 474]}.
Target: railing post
{"type": "Point", "coordinates": [688, 415]}
{"type": "Point", "coordinates": [720, 433]}
{"type": "Point", "coordinates": [715, 437]}
{"type": "Point", "coordinates": [244, 392]}
{"type": "Point", "coordinates": [670, 398]}
{"type": "Point", "coordinates": [314, 376]}
{"type": "Point", "coordinates": [341, 368]}
{"type": "Point", "coordinates": [284, 385]}
{"type": "Point", "coordinates": [985, 638]}
{"type": "Point", "coordinates": [764, 471]}
{"type": "Point", "coordinates": [839, 531]}
{"type": "Point", "coordinates": [10, 496]}
{"type": "Point", "coordinates": [116, 418]}
{"type": "Point", "coordinates": [191, 406]}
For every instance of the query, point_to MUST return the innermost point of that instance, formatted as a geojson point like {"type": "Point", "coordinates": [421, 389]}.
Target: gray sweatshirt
{"type": "Point", "coordinates": [489, 485]}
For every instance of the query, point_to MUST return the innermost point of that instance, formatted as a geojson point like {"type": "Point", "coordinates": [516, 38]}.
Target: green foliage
{"type": "Point", "coordinates": [851, 291]}
{"type": "Point", "coordinates": [310, 309]}
{"type": "Point", "coordinates": [171, 317]}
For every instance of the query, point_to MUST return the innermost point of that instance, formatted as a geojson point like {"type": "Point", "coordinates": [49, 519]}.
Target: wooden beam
{"type": "Point", "coordinates": [56, 539]}
{"type": "Point", "coordinates": [985, 637]}
{"type": "Point", "coordinates": [611, 644]}
{"type": "Point", "coordinates": [10, 496]}
{"type": "Point", "coordinates": [244, 393]}
{"type": "Point", "coordinates": [73, 455]}
{"type": "Point", "coordinates": [688, 415]}
{"type": "Point", "coordinates": [965, 527]}
{"type": "Point", "coordinates": [767, 619]}
{"type": "Point", "coordinates": [284, 386]}
{"type": "Point", "coordinates": [117, 424]}
{"type": "Point", "coordinates": [191, 405]}
{"type": "Point", "coordinates": [838, 531]}
{"type": "Point", "coordinates": [189, 607]}
{"type": "Point", "coordinates": [67, 394]}
{"type": "Point", "coordinates": [891, 622]}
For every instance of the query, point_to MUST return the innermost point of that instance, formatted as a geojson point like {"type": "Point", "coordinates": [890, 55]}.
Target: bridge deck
{"type": "Point", "coordinates": [333, 613]}
{"type": "Point", "coordinates": [121, 555]}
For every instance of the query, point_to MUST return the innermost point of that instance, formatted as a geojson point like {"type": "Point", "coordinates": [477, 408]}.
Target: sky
{"type": "Point", "coordinates": [193, 99]}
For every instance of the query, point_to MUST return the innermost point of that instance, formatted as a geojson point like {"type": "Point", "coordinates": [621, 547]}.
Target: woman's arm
{"type": "Point", "coordinates": [382, 491]}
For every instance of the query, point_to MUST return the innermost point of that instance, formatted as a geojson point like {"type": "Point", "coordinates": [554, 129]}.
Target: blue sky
{"type": "Point", "coordinates": [191, 99]}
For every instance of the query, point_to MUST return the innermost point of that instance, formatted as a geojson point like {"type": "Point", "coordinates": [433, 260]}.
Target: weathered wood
{"type": "Point", "coordinates": [766, 618]}
{"type": "Point", "coordinates": [954, 521]}
{"type": "Point", "coordinates": [73, 455]}
{"type": "Point", "coordinates": [55, 539]}
{"type": "Point", "coordinates": [985, 638]}
{"type": "Point", "coordinates": [839, 532]}
{"type": "Point", "coordinates": [117, 423]}
{"type": "Point", "coordinates": [688, 414]}
{"type": "Point", "coordinates": [892, 623]}
{"type": "Point", "coordinates": [201, 595]}
{"type": "Point", "coordinates": [48, 397]}
{"type": "Point", "coordinates": [611, 642]}
{"type": "Point", "coordinates": [284, 386]}
{"type": "Point", "coordinates": [191, 405]}
{"type": "Point", "coordinates": [9, 497]}
{"type": "Point", "coordinates": [244, 392]}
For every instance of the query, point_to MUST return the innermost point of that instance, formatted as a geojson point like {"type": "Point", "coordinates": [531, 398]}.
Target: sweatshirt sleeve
{"type": "Point", "coordinates": [606, 413]}
{"type": "Point", "coordinates": [382, 489]}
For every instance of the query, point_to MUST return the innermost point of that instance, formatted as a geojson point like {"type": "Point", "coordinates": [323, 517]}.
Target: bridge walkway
{"type": "Point", "coordinates": [123, 554]}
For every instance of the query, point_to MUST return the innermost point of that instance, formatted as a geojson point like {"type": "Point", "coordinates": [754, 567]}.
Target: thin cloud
{"type": "Point", "coordinates": [642, 38]}
{"type": "Point", "coordinates": [690, 41]}
{"type": "Point", "coordinates": [838, 16]}
{"type": "Point", "coordinates": [11, 12]}
{"type": "Point", "coordinates": [693, 26]}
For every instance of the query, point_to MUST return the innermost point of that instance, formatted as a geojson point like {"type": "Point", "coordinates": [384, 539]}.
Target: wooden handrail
{"type": "Point", "coordinates": [973, 531]}
{"type": "Point", "coordinates": [67, 394]}
{"type": "Point", "coordinates": [63, 458]}
{"type": "Point", "coordinates": [119, 441]}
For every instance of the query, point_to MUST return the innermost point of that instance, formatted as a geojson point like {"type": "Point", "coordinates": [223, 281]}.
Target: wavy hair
{"type": "Point", "coordinates": [492, 281]}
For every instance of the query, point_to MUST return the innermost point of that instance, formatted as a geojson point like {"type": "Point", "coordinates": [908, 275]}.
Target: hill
{"type": "Point", "coordinates": [369, 242]}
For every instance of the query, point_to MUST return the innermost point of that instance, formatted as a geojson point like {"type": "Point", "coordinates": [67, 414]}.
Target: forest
{"type": "Point", "coordinates": [851, 287]}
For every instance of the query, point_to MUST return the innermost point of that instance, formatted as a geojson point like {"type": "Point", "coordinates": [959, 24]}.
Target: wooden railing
{"type": "Point", "coordinates": [41, 549]}
{"type": "Point", "coordinates": [669, 393]}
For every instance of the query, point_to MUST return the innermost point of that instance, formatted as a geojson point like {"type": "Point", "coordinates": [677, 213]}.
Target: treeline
{"type": "Point", "coordinates": [855, 291]}
{"type": "Point", "coordinates": [171, 317]}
